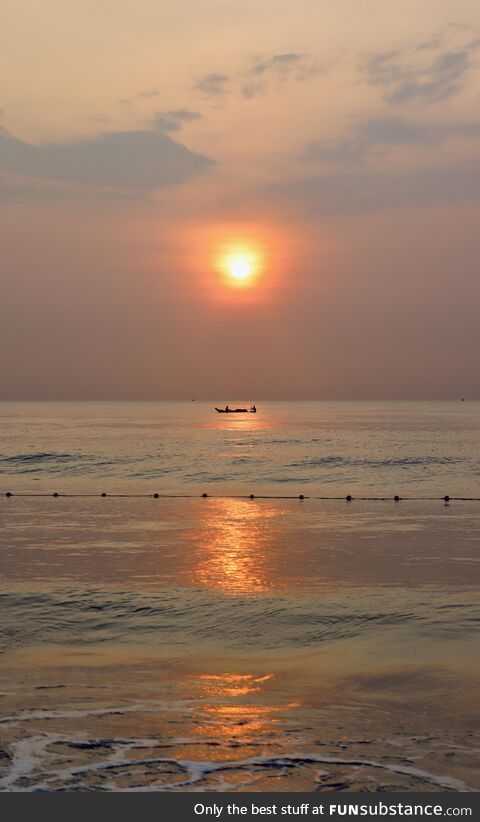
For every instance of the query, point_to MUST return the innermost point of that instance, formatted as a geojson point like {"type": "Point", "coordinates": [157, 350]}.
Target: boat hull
{"type": "Point", "coordinates": [234, 411]}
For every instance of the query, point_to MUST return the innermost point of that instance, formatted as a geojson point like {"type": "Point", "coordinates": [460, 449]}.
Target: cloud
{"type": "Point", "coordinates": [212, 85]}
{"type": "Point", "coordinates": [377, 135]}
{"type": "Point", "coordinates": [174, 119]}
{"type": "Point", "coordinates": [148, 94]}
{"type": "Point", "coordinates": [259, 76]}
{"type": "Point", "coordinates": [359, 192]}
{"type": "Point", "coordinates": [183, 115]}
{"type": "Point", "coordinates": [279, 68]}
{"type": "Point", "coordinates": [433, 75]}
{"type": "Point", "coordinates": [138, 161]}
{"type": "Point", "coordinates": [291, 63]}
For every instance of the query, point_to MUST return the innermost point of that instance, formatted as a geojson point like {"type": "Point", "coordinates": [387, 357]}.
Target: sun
{"type": "Point", "coordinates": [240, 267]}
{"type": "Point", "coordinates": [236, 261]}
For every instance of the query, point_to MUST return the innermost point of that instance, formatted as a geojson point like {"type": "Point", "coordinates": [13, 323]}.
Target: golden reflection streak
{"type": "Point", "coordinates": [232, 684]}
{"type": "Point", "coordinates": [241, 423]}
{"type": "Point", "coordinates": [243, 723]}
{"type": "Point", "coordinates": [232, 555]}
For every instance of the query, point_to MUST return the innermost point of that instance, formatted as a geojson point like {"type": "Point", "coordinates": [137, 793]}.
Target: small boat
{"type": "Point", "coordinates": [252, 410]}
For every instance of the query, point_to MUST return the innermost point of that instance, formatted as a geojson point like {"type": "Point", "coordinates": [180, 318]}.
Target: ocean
{"type": "Point", "coordinates": [228, 643]}
{"type": "Point", "coordinates": [364, 448]}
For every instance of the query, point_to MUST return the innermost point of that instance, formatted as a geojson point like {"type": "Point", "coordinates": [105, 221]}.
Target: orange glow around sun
{"type": "Point", "coordinates": [241, 259]}
{"type": "Point", "coordinates": [239, 263]}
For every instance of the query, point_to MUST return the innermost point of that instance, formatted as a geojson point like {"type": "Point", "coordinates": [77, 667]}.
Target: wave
{"type": "Point", "coordinates": [152, 466]}
{"type": "Point", "coordinates": [42, 457]}
{"type": "Point", "coordinates": [180, 616]}
{"type": "Point", "coordinates": [364, 462]}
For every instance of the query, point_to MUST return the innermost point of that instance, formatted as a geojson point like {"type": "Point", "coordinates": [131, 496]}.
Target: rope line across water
{"type": "Point", "coordinates": [347, 498]}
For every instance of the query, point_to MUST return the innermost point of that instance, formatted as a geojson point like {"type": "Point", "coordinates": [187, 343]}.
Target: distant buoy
{"type": "Point", "coordinates": [54, 494]}
{"type": "Point", "coordinates": [446, 498]}
{"type": "Point", "coordinates": [252, 496]}
{"type": "Point", "coordinates": [396, 498]}
{"type": "Point", "coordinates": [204, 495]}
{"type": "Point", "coordinates": [8, 494]}
{"type": "Point", "coordinates": [103, 494]}
{"type": "Point", "coordinates": [348, 497]}
{"type": "Point", "coordinates": [300, 496]}
{"type": "Point", "coordinates": [155, 496]}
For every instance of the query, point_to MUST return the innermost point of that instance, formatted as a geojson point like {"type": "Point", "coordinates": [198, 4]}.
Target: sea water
{"type": "Point", "coordinates": [229, 643]}
{"type": "Point", "coordinates": [422, 448]}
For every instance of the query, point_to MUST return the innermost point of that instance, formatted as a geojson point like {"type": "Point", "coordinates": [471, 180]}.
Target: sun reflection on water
{"type": "Point", "coordinates": [234, 710]}
{"type": "Point", "coordinates": [233, 550]}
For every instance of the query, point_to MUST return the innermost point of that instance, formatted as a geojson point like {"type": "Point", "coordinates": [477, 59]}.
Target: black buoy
{"type": "Point", "coordinates": [55, 494]}
{"type": "Point", "coordinates": [204, 495]}
{"type": "Point", "coordinates": [8, 494]}
{"type": "Point", "coordinates": [103, 494]}
{"type": "Point", "coordinates": [446, 498]}
{"type": "Point", "coordinates": [348, 497]}
{"type": "Point", "coordinates": [300, 496]}
{"type": "Point", "coordinates": [155, 496]}
{"type": "Point", "coordinates": [396, 498]}
{"type": "Point", "coordinates": [252, 496]}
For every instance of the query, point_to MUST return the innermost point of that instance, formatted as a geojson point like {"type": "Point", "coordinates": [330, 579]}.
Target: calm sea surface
{"type": "Point", "coordinates": [423, 448]}
{"type": "Point", "coordinates": [228, 643]}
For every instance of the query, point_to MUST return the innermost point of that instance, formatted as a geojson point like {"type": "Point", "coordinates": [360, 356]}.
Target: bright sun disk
{"type": "Point", "coordinates": [240, 268]}
{"type": "Point", "coordinates": [240, 265]}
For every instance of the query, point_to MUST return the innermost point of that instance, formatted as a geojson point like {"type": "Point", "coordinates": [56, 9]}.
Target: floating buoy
{"type": "Point", "coordinates": [55, 494]}
{"type": "Point", "coordinates": [8, 494]}
{"type": "Point", "coordinates": [155, 496]}
{"type": "Point", "coordinates": [348, 497]}
{"type": "Point", "coordinates": [204, 495]}
{"type": "Point", "coordinates": [300, 496]}
{"type": "Point", "coordinates": [252, 496]}
{"type": "Point", "coordinates": [446, 498]}
{"type": "Point", "coordinates": [396, 498]}
{"type": "Point", "coordinates": [103, 494]}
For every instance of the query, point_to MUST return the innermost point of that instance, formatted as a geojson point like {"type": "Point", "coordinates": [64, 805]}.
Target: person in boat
{"type": "Point", "coordinates": [253, 408]}
{"type": "Point", "coordinates": [227, 408]}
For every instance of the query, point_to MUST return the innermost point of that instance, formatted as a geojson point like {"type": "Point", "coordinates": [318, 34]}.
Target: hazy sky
{"type": "Point", "coordinates": [336, 142]}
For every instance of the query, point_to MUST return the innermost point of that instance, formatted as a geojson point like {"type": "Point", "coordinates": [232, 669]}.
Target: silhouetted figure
{"type": "Point", "coordinates": [227, 408]}
{"type": "Point", "coordinates": [253, 408]}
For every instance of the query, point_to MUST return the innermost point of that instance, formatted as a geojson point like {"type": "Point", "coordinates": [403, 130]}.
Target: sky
{"type": "Point", "coordinates": [333, 148]}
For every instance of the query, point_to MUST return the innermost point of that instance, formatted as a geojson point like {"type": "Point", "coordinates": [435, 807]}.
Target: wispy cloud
{"type": "Point", "coordinates": [377, 135]}
{"type": "Point", "coordinates": [260, 75]}
{"type": "Point", "coordinates": [212, 85]}
{"type": "Point", "coordinates": [359, 192]}
{"type": "Point", "coordinates": [428, 73]}
{"type": "Point", "coordinates": [149, 94]}
{"type": "Point", "coordinates": [183, 115]}
{"type": "Point", "coordinates": [174, 119]}
{"type": "Point", "coordinates": [277, 69]}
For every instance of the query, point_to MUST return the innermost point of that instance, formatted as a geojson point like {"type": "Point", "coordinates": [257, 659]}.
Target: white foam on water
{"type": "Point", "coordinates": [30, 754]}
{"type": "Point", "coordinates": [76, 713]}
{"type": "Point", "coordinates": [447, 782]}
